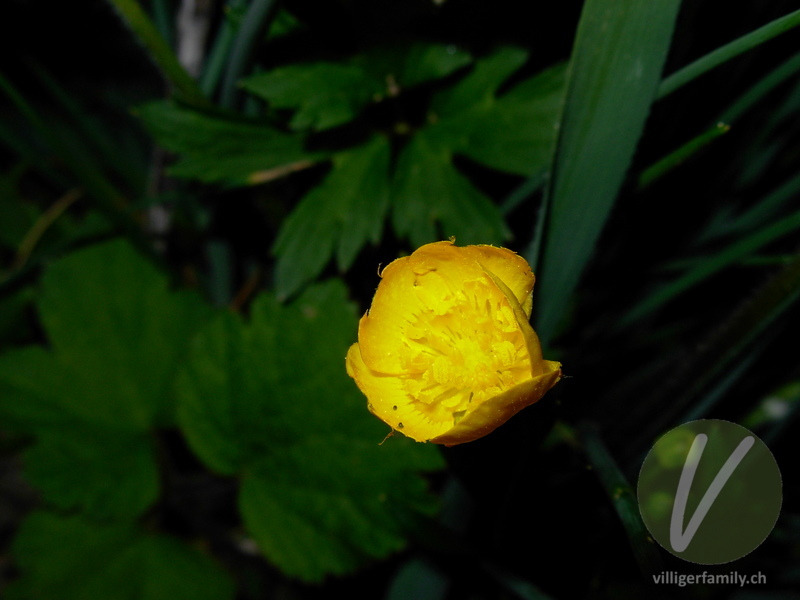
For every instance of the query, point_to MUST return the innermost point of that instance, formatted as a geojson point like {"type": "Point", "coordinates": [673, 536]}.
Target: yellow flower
{"type": "Point", "coordinates": [446, 353]}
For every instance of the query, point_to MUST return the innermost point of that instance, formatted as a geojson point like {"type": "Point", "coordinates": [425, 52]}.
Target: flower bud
{"type": "Point", "coordinates": [446, 352]}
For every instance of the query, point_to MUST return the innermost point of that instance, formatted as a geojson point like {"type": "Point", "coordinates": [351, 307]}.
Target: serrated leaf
{"type": "Point", "coordinates": [218, 149]}
{"type": "Point", "coordinates": [406, 66]}
{"type": "Point", "coordinates": [284, 24]}
{"type": "Point", "coordinates": [328, 94]}
{"type": "Point", "coordinates": [104, 473]}
{"type": "Point", "coordinates": [337, 514]}
{"type": "Point", "coordinates": [480, 85]}
{"type": "Point", "coordinates": [515, 132]}
{"type": "Point", "coordinates": [117, 333]}
{"type": "Point", "coordinates": [31, 386]}
{"type": "Point", "coordinates": [325, 94]}
{"type": "Point", "coordinates": [337, 217]}
{"type": "Point", "coordinates": [279, 408]}
{"type": "Point", "coordinates": [72, 559]}
{"type": "Point", "coordinates": [427, 62]}
{"type": "Point", "coordinates": [431, 200]}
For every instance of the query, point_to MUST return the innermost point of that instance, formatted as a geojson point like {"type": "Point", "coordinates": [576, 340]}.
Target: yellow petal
{"type": "Point", "coordinates": [521, 315]}
{"type": "Point", "coordinates": [496, 411]}
{"type": "Point", "coordinates": [389, 401]}
{"type": "Point", "coordinates": [510, 268]}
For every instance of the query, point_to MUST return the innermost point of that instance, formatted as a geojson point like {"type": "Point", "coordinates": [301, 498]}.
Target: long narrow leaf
{"type": "Point", "coordinates": [215, 62]}
{"type": "Point", "coordinates": [160, 52]}
{"type": "Point", "coordinates": [673, 159]}
{"type": "Point", "coordinates": [706, 268]}
{"type": "Point", "coordinates": [258, 16]}
{"type": "Point", "coordinates": [105, 195]}
{"type": "Point", "coordinates": [622, 496]}
{"type": "Point", "coordinates": [615, 68]}
{"type": "Point", "coordinates": [99, 140]}
{"type": "Point", "coordinates": [718, 351]}
{"type": "Point", "coordinates": [763, 87]}
{"type": "Point", "coordinates": [727, 52]}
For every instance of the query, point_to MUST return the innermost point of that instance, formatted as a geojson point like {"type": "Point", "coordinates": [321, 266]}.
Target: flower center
{"type": "Point", "coordinates": [463, 349]}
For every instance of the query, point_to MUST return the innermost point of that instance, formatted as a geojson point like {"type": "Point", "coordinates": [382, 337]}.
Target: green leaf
{"type": "Point", "coordinates": [324, 94]}
{"type": "Point", "coordinates": [72, 559]}
{"type": "Point", "coordinates": [254, 22]}
{"type": "Point", "coordinates": [117, 334]}
{"type": "Point", "coordinates": [724, 224]}
{"type": "Point", "coordinates": [429, 191]}
{"type": "Point", "coordinates": [615, 68]}
{"type": "Point", "coordinates": [284, 24]}
{"type": "Point", "coordinates": [218, 149]}
{"type": "Point", "coordinates": [337, 217]}
{"type": "Point", "coordinates": [762, 88]}
{"type": "Point", "coordinates": [327, 94]}
{"type": "Point", "coordinates": [162, 55]}
{"type": "Point", "coordinates": [119, 331]}
{"type": "Point", "coordinates": [515, 132]}
{"type": "Point", "coordinates": [734, 252]}
{"type": "Point", "coordinates": [480, 85]}
{"type": "Point", "coordinates": [107, 474]}
{"type": "Point", "coordinates": [423, 62]}
{"type": "Point", "coordinates": [270, 399]}
{"type": "Point", "coordinates": [623, 498]}
{"type": "Point", "coordinates": [31, 391]}
{"type": "Point", "coordinates": [672, 160]}
{"type": "Point", "coordinates": [728, 51]}
{"type": "Point", "coordinates": [71, 151]}
{"type": "Point", "coordinates": [733, 341]}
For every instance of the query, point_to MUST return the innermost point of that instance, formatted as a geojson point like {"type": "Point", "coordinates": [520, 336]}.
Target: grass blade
{"type": "Point", "coordinates": [615, 69]}
{"type": "Point", "coordinates": [141, 25]}
{"type": "Point", "coordinates": [162, 18]}
{"type": "Point", "coordinates": [623, 498]}
{"type": "Point", "coordinates": [763, 87]}
{"type": "Point", "coordinates": [706, 268]}
{"type": "Point", "coordinates": [756, 216]}
{"type": "Point", "coordinates": [108, 200]}
{"type": "Point", "coordinates": [215, 65]}
{"type": "Point", "coordinates": [255, 21]}
{"type": "Point", "coordinates": [673, 159]}
{"type": "Point", "coordinates": [718, 351]}
{"type": "Point", "coordinates": [727, 52]}
{"type": "Point", "coordinates": [102, 144]}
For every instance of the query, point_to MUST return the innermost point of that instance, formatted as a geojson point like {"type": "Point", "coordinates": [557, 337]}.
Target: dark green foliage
{"type": "Point", "coordinates": [109, 318]}
{"type": "Point", "coordinates": [430, 191]}
{"type": "Point", "coordinates": [337, 217]}
{"type": "Point", "coordinates": [430, 199]}
{"type": "Point", "coordinates": [183, 260]}
{"type": "Point", "coordinates": [514, 132]}
{"type": "Point", "coordinates": [218, 149]}
{"type": "Point", "coordinates": [270, 400]}
{"type": "Point", "coordinates": [324, 94]}
{"type": "Point", "coordinates": [74, 559]}
{"type": "Point", "coordinates": [619, 52]}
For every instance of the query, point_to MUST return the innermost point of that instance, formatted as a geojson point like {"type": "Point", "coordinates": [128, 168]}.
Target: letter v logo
{"type": "Point", "coordinates": [709, 491]}
{"type": "Point", "coordinates": [678, 539]}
